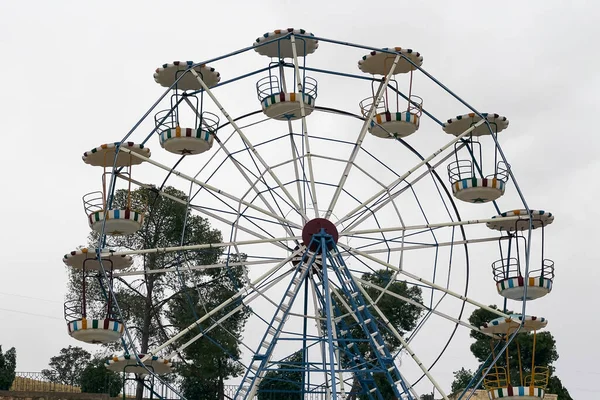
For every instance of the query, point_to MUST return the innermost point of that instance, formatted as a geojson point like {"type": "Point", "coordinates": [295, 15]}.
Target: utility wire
{"type": "Point", "coordinates": [28, 297]}
{"type": "Point", "coordinates": [28, 313]}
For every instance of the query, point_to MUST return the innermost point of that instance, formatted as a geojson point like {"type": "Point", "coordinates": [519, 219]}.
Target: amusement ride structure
{"type": "Point", "coordinates": [321, 192]}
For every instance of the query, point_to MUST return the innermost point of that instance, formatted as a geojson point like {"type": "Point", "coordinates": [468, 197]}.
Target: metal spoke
{"type": "Point", "coordinates": [211, 313]}
{"type": "Point", "coordinates": [247, 142]}
{"type": "Point", "coordinates": [379, 205]}
{"type": "Point", "coordinates": [212, 188]}
{"type": "Point", "coordinates": [361, 137]}
{"type": "Point", "coordinates": [410, 171]}
{"type": "Point", "coordinates": [251, 185]}
{"type": "Point", "coordinates": [199, 209]}
{"type": "Point", "coordinates": [424, 281]}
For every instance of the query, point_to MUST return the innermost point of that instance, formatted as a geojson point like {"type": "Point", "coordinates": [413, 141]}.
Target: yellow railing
{"type": "Point", "coordinates": [497, 378]}
{"type": "Point", "coordinates": [540, 377]}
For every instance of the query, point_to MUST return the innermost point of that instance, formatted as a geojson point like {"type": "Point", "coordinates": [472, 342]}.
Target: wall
{"type": "Point", "coordinates": [482, 395]}
{"type": "Point", "coordinates": [10, 395]}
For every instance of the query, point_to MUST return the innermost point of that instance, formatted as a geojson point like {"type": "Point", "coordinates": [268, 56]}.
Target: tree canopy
{"type": "Point", "coordinates": [211, 360]}
{"type": "Point", "coordinates": [75, 366]}
{"type": "Point", "coordinates": [402, 315]}
{"type": "Point", "coordinates": [284, 383]}
{"type": "Point", "coordinates": [462, 379]}
{"type": "Point", "coordinates": [8, 363]}
{"type": "Point", "coordinates": [517, 360]}
{"type": "Point", "coordinates": [96, 378]}
{"type": "Point", "coordinates": [157, 305]}
{"type": "Point", "coordinates": [66, 368]}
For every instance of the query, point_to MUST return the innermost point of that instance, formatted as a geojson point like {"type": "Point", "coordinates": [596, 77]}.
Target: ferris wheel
{"type": "Point", "coordinates": [335, 183]}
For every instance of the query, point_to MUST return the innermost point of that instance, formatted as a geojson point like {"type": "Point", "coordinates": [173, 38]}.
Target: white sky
{"type": "Point", "coordinates": [78, 74]}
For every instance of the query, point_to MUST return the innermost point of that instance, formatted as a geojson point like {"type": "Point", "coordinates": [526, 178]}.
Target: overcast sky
{"type": "Point", "coordinates": [79, 74]}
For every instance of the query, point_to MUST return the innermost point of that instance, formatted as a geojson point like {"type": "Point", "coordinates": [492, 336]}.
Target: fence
{"type": "Point", "coordinates": [36, 382]}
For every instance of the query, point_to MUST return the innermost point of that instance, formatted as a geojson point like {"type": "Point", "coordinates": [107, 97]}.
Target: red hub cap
{"type": "Point", "coordinates": [314, 226]}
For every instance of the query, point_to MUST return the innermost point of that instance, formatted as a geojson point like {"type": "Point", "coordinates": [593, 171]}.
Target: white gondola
{"type": "Point", "coordinates": [104, 155]}
{"type": "Point", "coordinates": [502, 382]}
{"type": "Point", "coordinates": [509, 272]}
{"type": "Point", "coordinates": [93, 326]}
{"type": "Point", "coordinates": [186, 141]}
{"type": "Point", "coordinates": [506, 326]}
{"type": "Point", "coordinates": [86, 258]}
{"type": "Point", "coordinates": [511, 283]}
{"type": "Point", "coordinates": [102, 217]}
{"type": "Point", "coordinates": [392, 118]}
{"type": "Point", "coordinates": [277, 44]}
{"type": "Point", "coordinates": [168, 74]}
{"type": "Point", "coordinates": [281, 96]}
{"type": "Point", "coordinates": [185, 128]}
{"type": "Point", "coordinates": [129, 364]}
{"type": "Point", "coordinates": [469, 182]}
{"type": "Point", "coordinates": [96, 331]}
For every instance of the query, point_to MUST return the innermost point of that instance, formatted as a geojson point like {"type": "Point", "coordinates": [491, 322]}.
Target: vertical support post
{"type": "Point", "coordinates": [83, 300]}
{"type": "Point", "coordinates": [322, 344]}
{"type": "Point", "coordinates": [109, 298]}
{"type": "Point", "coordinates": [328, 312]}
{"type": "Point", "coordinates": [507, 362]}
{"type": "Point", "coordinates": [305, 373]}
{"type": "Point", "coordinates": [531, 384]}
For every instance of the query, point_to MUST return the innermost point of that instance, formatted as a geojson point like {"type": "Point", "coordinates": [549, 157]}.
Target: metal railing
{"type": "Point", "coordinates": [539, 377]}
{"type": "Point", "coordinates": [497, 378]}
{"type": "Point", "coordinates": [207, 121]}
{"type": "Point", "coordinates": [415, 106]}
{"type": "Point", "coordinates": [510, 268]}
{"type": "Point", "coordinates": [93, 202]}
{"type": "Point", "coordinates": [269, 85]}
{"type": "Point", "coordinates": [165, 119]}
{"type": "Point", "coordinates": [365, 106]}
{"type": "Point", "coordinates": [73, 311]}
{"type": "Point", "coordinates": [465, 169]}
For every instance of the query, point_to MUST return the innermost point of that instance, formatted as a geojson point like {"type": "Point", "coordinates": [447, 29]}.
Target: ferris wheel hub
{"type": "Point", "coordinates": [316, 226]}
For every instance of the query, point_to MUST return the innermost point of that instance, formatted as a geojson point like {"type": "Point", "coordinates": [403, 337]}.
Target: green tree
{"type": "Point", "coordinates": [8, 363]}
{"type": "Point", "coordinates": [284, 383]}
{"type": "Point", "coordinates": [210, 361]}
{"type": "Point", "coordinates": [519, 357]}
{"type": "Point", "coordinates": [67, 366]}
{"type": "Point", "coordinates": [146, 302]}
{"type": "Point", "coordinates": [462, 379]}
{"type": "Point", "coordinates": [401, 314]}
{"type": "Point", "coordinates": [96, 378]}
{"type": "Point", "coordinates": [555, 386]}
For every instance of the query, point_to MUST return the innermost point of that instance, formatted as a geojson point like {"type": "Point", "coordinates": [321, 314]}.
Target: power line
{"type": "Point", "coordinates": [584, 390]}
{"type": "Point", "coordinates": [28, 313]}
{"type": "Point", "coordinates": [29, 297]}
